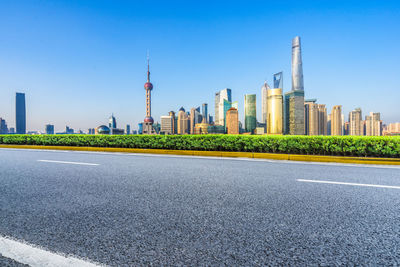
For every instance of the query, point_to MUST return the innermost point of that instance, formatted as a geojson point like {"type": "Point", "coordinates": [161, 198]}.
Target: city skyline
{"type": "Point", "coordinates": [61, 92]}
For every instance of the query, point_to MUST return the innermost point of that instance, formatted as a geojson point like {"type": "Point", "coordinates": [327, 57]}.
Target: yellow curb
{"type": "Point", "coordinates": [312, 158]}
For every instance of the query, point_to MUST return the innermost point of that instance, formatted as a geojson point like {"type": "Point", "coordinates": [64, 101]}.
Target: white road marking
{"type": "Point", "coordinates": [35, 256]}
{"type": "Point", "coordinates": [68, 162]}
{"type": "Point", "coordinates": [352, 184]}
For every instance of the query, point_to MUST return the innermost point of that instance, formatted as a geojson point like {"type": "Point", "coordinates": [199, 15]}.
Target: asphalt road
{"type": "Point", "coordinates": [127, 209]}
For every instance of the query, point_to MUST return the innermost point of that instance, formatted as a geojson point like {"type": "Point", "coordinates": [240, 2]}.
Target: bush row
{"type": "Point", "coordinates": [310, 145]}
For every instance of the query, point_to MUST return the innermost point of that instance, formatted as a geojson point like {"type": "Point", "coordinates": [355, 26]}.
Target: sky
{"type": "Point", "coordinates": [80, 61]}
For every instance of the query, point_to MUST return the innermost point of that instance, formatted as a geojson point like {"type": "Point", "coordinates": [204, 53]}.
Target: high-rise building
{"type": "Point", "coordinates": [392, 129]}
{"type": "Point", "coordinates": [315, 118]}
{"type": "Point", "coordinates": [112, 122]}
{"type": "Point", "coordinates": [225, 94]}
{"type": "Point", "coordinates": [49, 129]}
{"type": "Point", "coordinates": [336, 120]}
{"type": "Point", "coordinates": [232, 121]}
{"type": "Point", "coordinates": [148, 120]}
{"type": "Point", "coordinates": [174, 122]}
{"type": "Point", "coordinates": [204, 112]}
{"type": "Point", "coordinates": [140, 128]}
{"type": "Point", "coordinates": [20, 113]}
{"type": "Point", "coordinates": [329, 124]}
{"type": "Point", "coordinates": [250, 115]}
{"type": "Point", "coordinates": [3, 126]}
{"type": "Point", "coordinates": [373, 124]}
{"type": "Point", "coordinates": [294, 100]}
{"type": "Point", "coordinates": [356, 124]}
{"type": "Point", "coordinates": [128, 129]}
{"type": "Point", "coordinates": [264, 102]}
{"type": "Point", "coordinates": [195, 117]}
{"type": "Point", "coordinates": [227, 106]}
{"type": "Point", "coordinates": [167, 124]}
{"type": "Point", "coordinates": [275, 111]}
{"type": "Point", "coordinates": [183, 119]}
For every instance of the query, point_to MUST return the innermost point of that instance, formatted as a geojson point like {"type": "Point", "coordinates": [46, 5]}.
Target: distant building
{"type": "Point", "coordinates": [69, 130]}
{"type": "Point", "coordinates": [227, 106]}
{"type": "Point", "coordinates": [102, 129]}
{"type": "Point", "coordinates": [174, 122]}
{"type": "Point", "coordinates": [329, 125]}
{"type": "Point", "coordinates": [140, 129]}
{"type": "Point", "coordinates": [346, 128]}
{"type": "Point", "coordinates": [392, 129]}
{"type": "Point", "coordinates": [112, 122]}
{"type": "Point", "coordinates": [204, 113]}
{"type": "Point", "coordinates": [20, 113]}
{"type": "Point", "coordinates": [49, 129]}
{"type": "Point", "coordinates": [216, 129]}
{"type": "Point", "coordinates": [264, 102]}
{"type": "Point", "coordinates": [373, 124]}
{"type": "Point", "coordinates": [91, 131]}
{"type": "Point", "coordinates": [259, 130]}
{"type": "Point", "coordinates": [183, 121]}
{"type": "Point", "coordinates": [3, 126]}
{"type": "Point", "coordinates": [128, 129]}
{"type": "Point", "coordinates": [315, 118]}
{"type": "Point", "coordinates": [356, 124]}
{"type": "Point", "coordinates": [11, 130]}
{"type": "Point", "coordinates": [232, 121]}
{"type": "Point", "coordinates": [250, 116]}
{"type": "Point", "coordinates": [167, 125]}
{"type": "Point", "coordinates": [195, 118]}
{"type": "Point", "coordinates": [225, 94]}
{"type": "Point", "coordinates": [201, 128]}
{"type": "Point", "coordinates": [275, 111]}
{"type": "Point", "coordinates": [336, 120]}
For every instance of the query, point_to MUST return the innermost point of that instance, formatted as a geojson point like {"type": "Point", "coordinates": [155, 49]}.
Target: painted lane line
{"type": "Point", "coordinates": [68, 162]}
{"type": "Point", "coordinates": [352, 184]}
{"type": "Point", "coordinates": [35, 256]}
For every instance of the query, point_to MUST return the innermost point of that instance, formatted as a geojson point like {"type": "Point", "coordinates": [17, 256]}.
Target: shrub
{"type": "Point", "coordinates": [366, 146]}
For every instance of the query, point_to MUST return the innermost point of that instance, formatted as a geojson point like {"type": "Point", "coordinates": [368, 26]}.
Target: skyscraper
{"type": "Point", "coordinates": [167, 125]}
{"type": "Point", "coordinates": [20, 113]}
{"type": "Point", "coordinates": [264, 102]}
{"type": "Point", "coordinates": [49, 129]}
{"type": "Point", "coordinates": [148, 120]}
{"type": "Point", "coordinates": [232, 121]}
{"type": "Point", "coordinates": [183, 120]}
{"type": "Point", "coordinates": [322, 120]}
{"type": "Point", "coordinates": [112, 122]}
{"type": "Point", "coordinates": [275, 111]}
{"type": "Point", "coordinates": [174, 122]}
{"type": "Point", "coordinates": [373, 124]}
{"type": "Point", "coordinates": [250, 116]}
{"type": "Point", "coordinates": [294, 100]}
{"type": "Point", "coordinates": [195, 117]}
{"type": "Point", "coordinates": [336, 120]}
{"type": "Point", "coordinates": [356, 124]}
{"type": "Point", "coordinates": [315, 118]}
{"type": "Point", "coordinates": [204, 112]}
{"type": "Point", "coordinates": [225, 94]}
{"type": "Point", "coordinates": [128, 129]}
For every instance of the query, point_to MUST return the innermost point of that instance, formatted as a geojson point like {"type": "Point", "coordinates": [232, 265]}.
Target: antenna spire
{"type": "Point", "coordinates": [148, 66]}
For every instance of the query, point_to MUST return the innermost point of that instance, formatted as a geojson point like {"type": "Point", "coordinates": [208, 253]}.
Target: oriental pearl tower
{"type": "Point", "coordinates": [148, 120]}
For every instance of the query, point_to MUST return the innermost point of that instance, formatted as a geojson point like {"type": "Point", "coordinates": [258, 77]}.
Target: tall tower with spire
{"type": "Point", "coordinates": [148, 120]}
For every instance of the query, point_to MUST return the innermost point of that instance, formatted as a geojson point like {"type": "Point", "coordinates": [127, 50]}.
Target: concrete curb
{"type": "Point", "coordinates": [294, 157]}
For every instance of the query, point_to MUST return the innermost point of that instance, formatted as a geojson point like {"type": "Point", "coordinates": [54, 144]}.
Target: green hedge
{"type": "Point", "coordinates": [311, 145]}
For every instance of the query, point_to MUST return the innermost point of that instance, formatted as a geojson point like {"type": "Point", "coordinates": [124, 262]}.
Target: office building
{"type": "Point", "coordinates": [167, 125]}
{"type": "Point", "coordinates": [356, 123]}
{"type": "Point", "coordinates": [225, 94]}
{"type": "Point", "coordinates": [275, 111]}
{"type": "Point", "coordinates": [148, 120]}
{"type": "Point", "coordinates": [112, 122]}
{"type": "Point", "coordinates": [373, 124]}
{"type": "Point", "coordinates": [140, 128]}
{"type": "Point", "coordinates": [204, 112]}
{"type": "Point", "coordinates": [20, 113]}
{"type": "Point", "coordinates": [195, 118]}
{"type": "Point", "coordinates": [336, 120]}
{"type": "Point", "coordinates": [49, 129]}
{"type": "Point", "coordinates": [128, 129]}
{"type": "Point", "coordinates": [294, 100]}
{"type": "Point", "coordinates": [183, 122]}
{"type": "Point", "coordinates": [232, 121]}
{"type": "Point", "coordinates": [250, 116]}
{"type": "Point", "coordinates": [315, 118]}
{"type": "Point", "coordinates": [264, 102]}
{"type": "Point", "coordinates": [3, 126]}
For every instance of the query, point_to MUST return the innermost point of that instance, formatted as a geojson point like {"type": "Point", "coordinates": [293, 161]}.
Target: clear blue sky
{"type": "Point", "coordinates": [79, 61]}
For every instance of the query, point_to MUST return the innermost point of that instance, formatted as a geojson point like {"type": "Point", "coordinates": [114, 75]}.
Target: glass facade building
{"type": "Point", "coordinates": [250, 119]}
{"type": "Point", "coordinates": [20, 113]}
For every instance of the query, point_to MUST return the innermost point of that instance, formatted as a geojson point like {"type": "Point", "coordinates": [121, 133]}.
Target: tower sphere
{"type": "Point", "coordinates": [149, 119]}
{"type": "Point", "coordinates": [148, 86]}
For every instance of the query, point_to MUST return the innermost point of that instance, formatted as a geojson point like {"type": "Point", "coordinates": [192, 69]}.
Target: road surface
{"type": "Point", "coordinates": [130, 209]}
